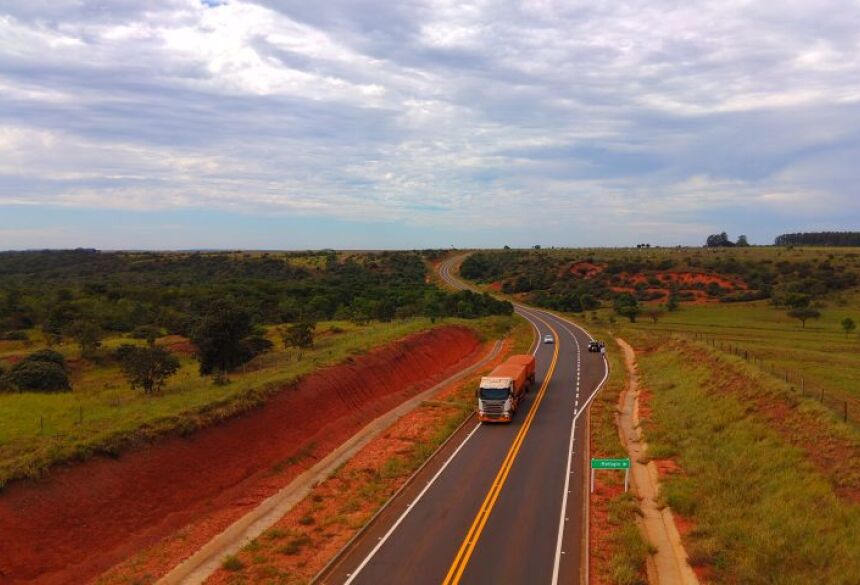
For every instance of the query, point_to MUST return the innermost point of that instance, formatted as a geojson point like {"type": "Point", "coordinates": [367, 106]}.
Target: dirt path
{"type": "Point", "coordinates": [668, 566]}
{"type": "Point", "coordinates": [203, 563]}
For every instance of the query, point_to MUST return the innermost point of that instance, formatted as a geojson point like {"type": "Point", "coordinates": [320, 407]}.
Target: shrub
{"type": "Point", "coordinates": [299, 335]}
{"type": "Point", "coordinates": [256, 345]}
{"type": "Point", "coordinates": [148, 332]}
{"type": "Point", "coordinates": [14, 336]}
{"type": "Point", "coordinates": [37, 376]}
{"type": "Point", "coordinates": [47, 355]}
{"type": "Point", "coordinates": [148, 367]}
{"type": "Point", "coordinates": [232, 563]}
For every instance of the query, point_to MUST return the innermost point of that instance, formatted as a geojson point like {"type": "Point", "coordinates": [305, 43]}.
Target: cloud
{"type": "Point", "coordinates": [605, 120]}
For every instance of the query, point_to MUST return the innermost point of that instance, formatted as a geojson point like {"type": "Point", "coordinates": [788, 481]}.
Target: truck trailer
{"type": "Point", "coordinates": [500, 392]}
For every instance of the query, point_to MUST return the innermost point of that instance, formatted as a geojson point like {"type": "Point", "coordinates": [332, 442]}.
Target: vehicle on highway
{"type": "Point", "coordinates": [548, 339]}
{"type": "Point", "coordinates": [500, 392]}
{"type": "Point", "coordinates": [595, 346]}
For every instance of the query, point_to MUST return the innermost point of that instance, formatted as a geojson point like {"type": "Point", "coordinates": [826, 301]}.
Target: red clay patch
{"type": "Point", "coordinates": [666, 467]}
{"type": "Point", "coordinates": [83, 519]}
{"type": "Point", "coordinates": [586, 270]}
{"type": "Point", "coordinates": [178, 344]}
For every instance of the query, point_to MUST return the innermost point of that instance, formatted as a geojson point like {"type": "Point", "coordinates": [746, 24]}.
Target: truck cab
{"type": "Point", "coordinates": [500, 392]}
{"type": "Point", "coordinates": [496, 401]}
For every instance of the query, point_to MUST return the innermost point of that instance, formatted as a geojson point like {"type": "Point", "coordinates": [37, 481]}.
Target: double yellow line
{"type": "Point", "coordinates": [455, 573]}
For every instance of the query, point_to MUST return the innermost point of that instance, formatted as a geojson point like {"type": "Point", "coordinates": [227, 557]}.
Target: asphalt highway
{"type": "Point", "coordinates": [501, 503]}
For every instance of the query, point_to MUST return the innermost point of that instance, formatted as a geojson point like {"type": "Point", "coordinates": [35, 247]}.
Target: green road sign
{"type": "Point", "coordinates": [610, 464]}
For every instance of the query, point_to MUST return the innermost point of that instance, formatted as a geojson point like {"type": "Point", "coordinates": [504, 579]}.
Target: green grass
{"type": "Point", "coordinates": [103, 414]}
{"type": "Point", "coordinates": [763, 514]}
{"type": "Point", "coordinates": [825, 356]}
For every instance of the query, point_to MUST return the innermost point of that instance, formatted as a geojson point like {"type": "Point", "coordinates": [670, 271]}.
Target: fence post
{"type": "Point", "coordinates": [786, 376]}
{"type": "Point", "coordinates": [803, 385]}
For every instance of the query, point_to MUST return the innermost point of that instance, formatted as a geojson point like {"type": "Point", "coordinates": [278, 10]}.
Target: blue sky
{"type": "Point", "coordinates": [359, 124]}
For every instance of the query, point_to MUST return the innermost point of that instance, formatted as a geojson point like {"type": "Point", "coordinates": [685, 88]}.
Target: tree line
{"type": "Point", "coordinates": [220, 301]}
{"type": "Point", "coordinates": [819, 239]}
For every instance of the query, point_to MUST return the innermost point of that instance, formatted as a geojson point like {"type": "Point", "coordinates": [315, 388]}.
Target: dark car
{"type": "Point", "coordinates": [594, 346]}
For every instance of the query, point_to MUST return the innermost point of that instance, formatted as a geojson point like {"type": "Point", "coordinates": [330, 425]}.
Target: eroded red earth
{"type": "Point", "coordinates": [690, 284]}
{"type": "Point", "coordinates": [83, 519]}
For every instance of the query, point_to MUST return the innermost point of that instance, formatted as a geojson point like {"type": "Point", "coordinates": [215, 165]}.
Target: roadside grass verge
{"type": "Point", "coordinates": [618, 549]}
{"type": "Point", "coordinates": [762, 510]}
{"type": "Point", "coordinates": [103, 415]}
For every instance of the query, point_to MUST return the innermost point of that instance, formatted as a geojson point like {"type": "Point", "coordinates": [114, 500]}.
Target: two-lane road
{"type": "Point", "coordinates": [502, 503]}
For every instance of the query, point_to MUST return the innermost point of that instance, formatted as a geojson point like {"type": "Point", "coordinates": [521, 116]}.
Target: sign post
{"type": "Point", "coordinates": [611, 464]}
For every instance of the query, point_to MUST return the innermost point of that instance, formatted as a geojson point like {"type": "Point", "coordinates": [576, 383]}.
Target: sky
{"type": "Point", "coordinates": [281, 124]}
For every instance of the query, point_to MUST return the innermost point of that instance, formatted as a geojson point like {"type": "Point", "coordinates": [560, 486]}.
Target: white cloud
{"type": "Point", "coordinates": [440, 114]}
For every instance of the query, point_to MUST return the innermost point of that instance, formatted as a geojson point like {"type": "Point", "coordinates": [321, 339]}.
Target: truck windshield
{"type": "Point", "coordinates": [494, 393]}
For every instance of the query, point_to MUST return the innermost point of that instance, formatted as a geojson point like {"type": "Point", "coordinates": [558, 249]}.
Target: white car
{"type": "Point", "coordinates": [548, 339]}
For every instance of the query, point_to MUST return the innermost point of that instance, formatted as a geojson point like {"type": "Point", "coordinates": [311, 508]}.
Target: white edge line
{"type": "Point", "coordinates": [409, 508]}
{"type": "Point", "coordinates": [557, 562]}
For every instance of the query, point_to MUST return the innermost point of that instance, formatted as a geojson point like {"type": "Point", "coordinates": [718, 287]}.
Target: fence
{"type": "Point", "coordinates": [846, 408]}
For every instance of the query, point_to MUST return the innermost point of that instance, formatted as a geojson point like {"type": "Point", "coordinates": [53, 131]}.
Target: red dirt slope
{"type": "Point", "coordinates": [83, 519]}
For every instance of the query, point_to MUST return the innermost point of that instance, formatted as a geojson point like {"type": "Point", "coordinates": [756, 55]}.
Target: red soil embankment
{"type": "Point", "coordinates": [83, 519]}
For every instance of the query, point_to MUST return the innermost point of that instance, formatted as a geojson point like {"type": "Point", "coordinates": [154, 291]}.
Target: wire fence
{"type": "Point", "coordinates": [844, 407]}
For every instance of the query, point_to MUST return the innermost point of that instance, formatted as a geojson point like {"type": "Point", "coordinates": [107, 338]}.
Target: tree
{"type": "Point", "coordinates": [797, 300]}
{"type": "Point", "coordinates": [219, 336]}
{"type": "Point", "coordinates": [803, 314]}
{"type": "Point", "coordinates": [629, 311]}
{"type": "Point", "coordinates": [148, 332]}
{"type": "Point", "coordinates": [87, 335]}
{"type": "Point", "coordinates": [42, 371]}
{"type": "Point", "coordinates": [588, 302]}
{"type": "Point", "coordinates": [299, 335]}
{"type": "Point", "coordinates": [654, 314]}
{"type": "Point", "coordinates": [672, 302]}
{"type": "Point", "coordinates": [626, 305]}
{"type": "Point", "coordinates": [848, 325]}
{"type": "Point", "coordinates": [742, 241]}
{"type": "Point", "coordinates": [148, 367]}
{"type": "Point", "coordinates": [720, 240]}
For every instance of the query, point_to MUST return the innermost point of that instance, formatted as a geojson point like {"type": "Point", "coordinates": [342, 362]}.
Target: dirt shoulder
{"type": "Point", "coordinates": [668, 565]}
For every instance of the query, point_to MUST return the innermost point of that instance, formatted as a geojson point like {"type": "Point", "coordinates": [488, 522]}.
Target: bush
{"type": "Point", "coordinates": [37, 376]}
{"type": "Point", "coordinates": [148, 332]}
{"type": "Point", "coordinates": [14, 336]}
{"type": "Point", "coordinates": [47, 355]}
{"type": "Point", "coordinates": [256, 345]}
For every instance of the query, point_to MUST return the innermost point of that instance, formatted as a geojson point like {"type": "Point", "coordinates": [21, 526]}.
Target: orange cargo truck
{"type": "Point", "coordinates": [500, 392]}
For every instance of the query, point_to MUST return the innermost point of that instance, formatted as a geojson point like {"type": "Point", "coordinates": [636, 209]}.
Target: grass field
{"type": "Point", "coordinates": [102, 414]}
{"type": "Point", "coordinates": [763, 510]}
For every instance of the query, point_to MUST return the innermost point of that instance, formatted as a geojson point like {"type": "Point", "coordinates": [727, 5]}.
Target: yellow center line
{"type": "Point", "coordinates": [455, 573]}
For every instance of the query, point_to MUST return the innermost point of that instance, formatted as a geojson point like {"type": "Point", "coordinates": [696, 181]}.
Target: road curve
{"type": "Point", "coordinates": [500, 503]}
